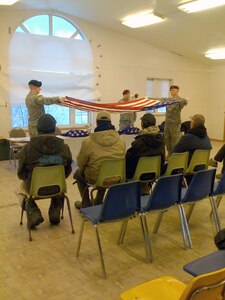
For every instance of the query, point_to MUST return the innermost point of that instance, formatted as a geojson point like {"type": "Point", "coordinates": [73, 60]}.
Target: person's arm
{"type": "Point", "coordinates": [82, 157]}
{"type": "Point", "coordinates": [39, 99]}
{"type": "Point", "coordinates": [183, 102]}
{"type": "Point", "coordinates": [160, 99]}
{"type": "Point", "coordinates": [184, 144]}
{"type": "Point", "coordinates": [68, 157]}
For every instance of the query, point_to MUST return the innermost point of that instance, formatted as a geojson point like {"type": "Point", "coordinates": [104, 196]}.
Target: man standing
{"type": "Point", "coordinates": [173, 118]}
{"type": "Point", "coordinates": [105, 143]}
{"type": "Point", "coordinates": [44, 149]}
{"type": "Point", "coordinates": [35, 105]}
{"type": "Point", "coordinates": [127, 119]}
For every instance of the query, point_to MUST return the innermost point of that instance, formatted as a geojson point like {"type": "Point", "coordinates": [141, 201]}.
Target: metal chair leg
{"type": "Point", "coordinates": [80, 237]}
{"type": "Point", "coordinates": [62, 209]}
{"type": "Point", "coordinates": [124, 231]}
{"type": "Point", "coordinates": [144, 238]}
{"type": "Point", "coordinates": [147, 238]}
{"type": "Point", "coordinates": [186, 226]}
{"type": "Point", "coordinates": [158, 221]}
{"type": "Point", "coordinates": [121, 232]}
{"type": "Point", "coordinates": [217, 203]}
{"type": "Point", "coordinates": [69, 210]}
{"type": "Point", "coordinates": [100, 252]}
{"type": "Point", "coordinates": [182, 227]}
{"type": "Point", "coordinates": [22, 210]}
{"type": "Point", "coordinates": [189, 213]}
{"type": "Point", "coordinates": [215, 214]}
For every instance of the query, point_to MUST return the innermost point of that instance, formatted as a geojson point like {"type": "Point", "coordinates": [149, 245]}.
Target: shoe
{"type": "Point", "coordinates": [34, 217]}
{"type": "Point", "coordinates": [213, 163]}
{"type": "Point", "coordinates": [219, 176]}
{"type": "Point", "coordinates": [78, 204]}
{"type": "Point", "coordinates": [54, 211]}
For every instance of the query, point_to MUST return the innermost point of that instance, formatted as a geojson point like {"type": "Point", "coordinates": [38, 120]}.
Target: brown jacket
{"type": "Point", "coordinates": [98, 147]}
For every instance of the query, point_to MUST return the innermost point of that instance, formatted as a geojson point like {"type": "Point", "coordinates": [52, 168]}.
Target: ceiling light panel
{"type": "Point", "coordinates": [199, 5]}
{"type": "Point", "coordinates": [7, 2]}
{"type": "Point", "coordinates": [141, 20]}
{"type": "Point", "coordinates": [216, 54]}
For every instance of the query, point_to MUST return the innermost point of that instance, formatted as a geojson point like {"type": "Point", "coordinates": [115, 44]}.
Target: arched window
{"type": "Point", "coordinates": [53, 50]}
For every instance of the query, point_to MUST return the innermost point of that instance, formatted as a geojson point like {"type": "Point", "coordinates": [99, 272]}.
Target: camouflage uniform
{"type": "Point", "coordinates": [172, 121]}
{"type": "Point", "coordinates": [127, 119]}
{"type": "Point", "coordinates": [35, 105]}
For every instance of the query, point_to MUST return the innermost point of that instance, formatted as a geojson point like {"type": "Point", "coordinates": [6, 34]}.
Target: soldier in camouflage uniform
{"type": "Point", "coordinates": [127, 119]}
{"type": "Point", "coordinates": [173, 118]}
{"type": "Point", "coordinates": [35, 105]}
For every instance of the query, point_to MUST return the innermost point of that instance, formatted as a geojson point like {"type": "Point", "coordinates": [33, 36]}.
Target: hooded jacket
{"type": "Point", "coordinates": [196, 138]}
{"type": "Point", "coordinates": [43, 147]}
{"type": "Point", "coordinates": [99, 146]}
{"type": "Point", "coordinates": [149, 142]}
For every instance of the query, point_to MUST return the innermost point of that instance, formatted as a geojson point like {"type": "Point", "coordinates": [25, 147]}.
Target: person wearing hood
{"type": "Point", "coordinates": [149, 142]}
{"type": "Point", "coordinates": [105, 143]}
{"type": "Point", "coordinates": [196, 138]}
{"type": "Point", "coordinates": [44, 149]}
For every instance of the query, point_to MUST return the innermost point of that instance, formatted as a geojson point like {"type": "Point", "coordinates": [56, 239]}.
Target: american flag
{"type": "Point", "coordinates": [140, 104]}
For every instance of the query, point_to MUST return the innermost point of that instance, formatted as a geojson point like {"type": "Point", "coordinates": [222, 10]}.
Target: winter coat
{"type": "Point", "coordinates": [149, 142]}
{"type": "Point", "coordinates": [42, 148]}
{"type": "Point", "coordinates": [99, 146]}
{"type": "Point", "coordinates": [196, 138]}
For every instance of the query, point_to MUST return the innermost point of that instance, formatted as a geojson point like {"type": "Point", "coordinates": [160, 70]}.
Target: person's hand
{"type": "Point", "coordinates": [62, 98]}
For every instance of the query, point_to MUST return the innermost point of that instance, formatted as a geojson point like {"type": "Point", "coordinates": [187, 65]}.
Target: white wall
{"type": "Point", "coordinates": [123, 63]}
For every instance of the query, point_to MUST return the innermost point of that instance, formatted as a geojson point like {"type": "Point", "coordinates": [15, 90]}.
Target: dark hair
{"type": "Point", "coordinates": [174, 87]}
{"type": "Point", "coordinates": [126, 92]}
{"type": "Point", "coordinates": [103, 122]}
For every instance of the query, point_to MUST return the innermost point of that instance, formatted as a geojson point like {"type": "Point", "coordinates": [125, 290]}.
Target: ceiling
{"type": "Point", "coordinates": [186, 35]}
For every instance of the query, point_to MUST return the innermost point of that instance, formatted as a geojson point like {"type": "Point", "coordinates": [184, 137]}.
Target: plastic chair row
{"type": "Point", "coordinates": [123, 201]}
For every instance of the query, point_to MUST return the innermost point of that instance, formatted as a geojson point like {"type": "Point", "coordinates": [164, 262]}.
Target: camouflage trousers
{"type": "Point", "coordinates": [32, 128]}
{"type": "Point", "coordinates": [171, 137]}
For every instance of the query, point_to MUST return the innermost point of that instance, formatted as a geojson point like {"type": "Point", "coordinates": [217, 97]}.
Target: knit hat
{"type": "Point", "coordinates": [46, 124]}
{"type": "Point", "coordinates": [35, 83]}
{"type": "Point", "coordinates": [148, 119]}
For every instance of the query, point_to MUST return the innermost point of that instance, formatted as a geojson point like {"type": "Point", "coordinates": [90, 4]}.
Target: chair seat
{"type": "Point", "coordinates": [164, 288]}
{"type": "Point", "coordinates": [92, 213]}
{"type": "Point", "coordinates": [210, 263]}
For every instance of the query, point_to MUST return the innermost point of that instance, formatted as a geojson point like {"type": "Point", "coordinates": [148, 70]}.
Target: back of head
{"type": "Point", "coordinates": [35, 83]}
{"type": "Point", "coordinates": [197, 121]}
{"type": "Point", "coordinates": [148, 120]}
{"type": "Point", "coordinates": [46, 124]}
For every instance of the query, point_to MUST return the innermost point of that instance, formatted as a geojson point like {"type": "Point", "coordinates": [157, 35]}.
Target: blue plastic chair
{"type": "Point", "coordinates": [218, 192]}
{"type": "Point", "coordinates": [206, 264]}
{"type": "Point", "coordinates": [166, 193]}
{"type": "Point", "coordinates": [121, 202]}
{"type": "Point", "coordinates": [201, 187]}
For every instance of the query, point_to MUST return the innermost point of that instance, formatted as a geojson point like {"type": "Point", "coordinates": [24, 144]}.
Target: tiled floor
{"type": "Point", "coordinates": [47, 268]}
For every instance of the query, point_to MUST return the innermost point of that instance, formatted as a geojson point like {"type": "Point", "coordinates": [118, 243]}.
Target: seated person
{"type": "Point", "coordinates": [196, 138]}
{"type": "Point", "coordinates": [44, 149]}
{"type": "Point", "coordinates": [105, 143]}
{"type": "Point", "coordinates": [149, 142]}
{"type": "Point", "coordinates": [219, 157]}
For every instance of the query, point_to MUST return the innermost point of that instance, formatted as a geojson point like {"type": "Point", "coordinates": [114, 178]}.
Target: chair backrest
{"type": "Point", "coordinates": [166, 193]}
{"type": "Point", "coordinates": [121, 201]}
{"type": "Point", "coordinates": [220, 189]}
{"type": "Point", "coordinates": [177, 163]}
{"type": "Point", "coordinates": [209, 286]}
{"type": "Point", "coordinates": [17, 132]}
{"type": "Point", "coordinates": [111, 172]}
{"type": "Point", "coordinates": [201, 186]}
{"type": "Point", "coordinates": [199, 161]}
{"type": "Point", "coordinates": [148, 168]}
{"type": "Point", "coordinates": [47, 181]}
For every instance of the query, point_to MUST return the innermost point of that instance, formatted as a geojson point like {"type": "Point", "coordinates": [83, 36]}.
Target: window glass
{"type": "Point", "coordinates": [62, 28]}
{"type": "Point", "coordinates": [78, 37]}
{"type": "Point", "coordinates": [81, 117]}
{"type": "Point", "coordinates": [19, 29]}
{"type": "Point", "coordinates": [38, 25]}
{"type": "Point", "coordinates": [19, 115]}
{"type": "Point", "coordinates": [61, 114]}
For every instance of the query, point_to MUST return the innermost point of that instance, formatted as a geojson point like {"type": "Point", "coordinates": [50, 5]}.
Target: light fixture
{"type": "Point", "coordinates": [216, 53]}
{"type": "Point", "coordinates": [141, 19]}
{"type": "Point", "coordinates": [7, 2]}
{"type": "Point", "coordinates": [199, 5]}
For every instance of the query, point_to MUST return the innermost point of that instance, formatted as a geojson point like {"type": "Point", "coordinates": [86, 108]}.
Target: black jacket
{"type": "Point", "coordinates": [42, 146]}
{"type": "Point", "coordinates": [144, 145]}
{"type": "Point", "coordinates": [196, 138]}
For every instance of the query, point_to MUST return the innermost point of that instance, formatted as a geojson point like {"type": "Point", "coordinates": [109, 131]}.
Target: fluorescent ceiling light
{"type": "Point", "coordinates": [142, 19]}
{"type": "Point", "coordinates": [7, 2]}
{"type": "Point", "coordinates": [199, 5]}
{"type": "Point", "coordinates": [216, 54]}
